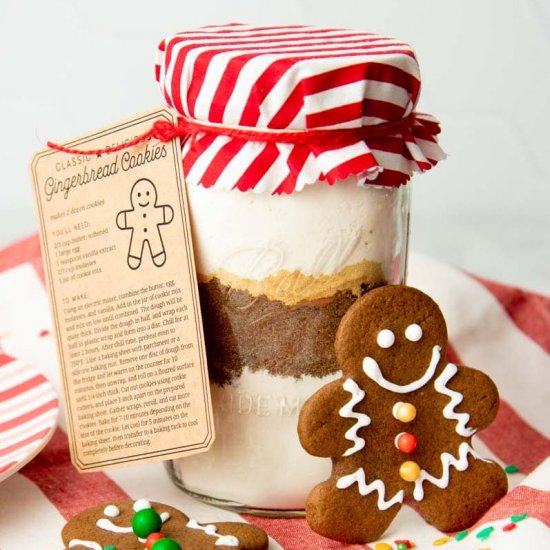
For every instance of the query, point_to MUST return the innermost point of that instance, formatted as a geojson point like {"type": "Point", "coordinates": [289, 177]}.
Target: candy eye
{"type": "Point", "coordinates": [385, 338]}
{"type": "Point", "coordinates": [413, 332]}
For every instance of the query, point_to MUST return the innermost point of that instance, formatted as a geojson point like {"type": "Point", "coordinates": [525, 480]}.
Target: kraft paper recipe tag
{"type": "Point", "coordinates": [121, 280]}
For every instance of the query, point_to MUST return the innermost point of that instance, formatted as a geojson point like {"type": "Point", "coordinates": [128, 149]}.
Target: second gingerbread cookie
{"type": "Point", "coordinates": [127, 525]}
{"type": "Point", "coordinates": [398, 424]}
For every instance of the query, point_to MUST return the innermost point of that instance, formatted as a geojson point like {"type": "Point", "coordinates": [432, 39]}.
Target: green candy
{"type": "Point", "coordinates": [145, 522]}
{"type": "Point", "coordinates": [484, 534]}
{"type": "Point", "coordinates": [166, 544]}
{"type": "Point", "coordinates": [519, 517]}
{"type": "Point", "coordinates": [462, 535]}
{"type": "Point", "coordinates": [401, 546]}
{"type": "Point", "coordinates": [511, 469]}
{"type": "Point", "coordinates": [109, 548]}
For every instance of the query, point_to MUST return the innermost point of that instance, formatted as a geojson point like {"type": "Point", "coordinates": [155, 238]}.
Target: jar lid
{"type": "Point", "coordinates": [303, 80]}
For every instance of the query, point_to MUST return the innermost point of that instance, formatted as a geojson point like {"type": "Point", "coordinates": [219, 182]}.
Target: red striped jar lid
{"type": "Point", "coordinates": [347, 97]}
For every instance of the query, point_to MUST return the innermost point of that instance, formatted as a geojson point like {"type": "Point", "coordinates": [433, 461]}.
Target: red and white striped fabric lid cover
{"type": "Point", "coordinates": [275, 78]}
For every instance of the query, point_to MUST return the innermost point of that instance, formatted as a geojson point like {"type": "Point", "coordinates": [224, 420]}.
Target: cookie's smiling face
{"type": "Point", "coordinates": [143, 194]}
{"type": "Point", "coordinates": [394, 336]}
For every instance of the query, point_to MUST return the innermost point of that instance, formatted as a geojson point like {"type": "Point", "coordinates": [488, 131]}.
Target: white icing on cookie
{"type": "Point", "coordinates": [194, 524]}
{"type": "Point", "coordinates": [141, 504]}
{"type": "Point", "coordinates": [357, 395]}
{"type": "Point", "coordinates": [87, 543]}
{"type": "Point", "coordinates": [449, 412]}
{"type": "Point", "coordinates": [385, 338]}
{"type": "Point", "coordinates": [227, 540]}
{"type": "Point", "coordinates": [413, 332]}
{"type": "Point", "coordinates": [367, 488]}
{"type": "Point", "coordinates": [447, 460]}
{"type": "Point", "coordinates": [108, 525]}
{"type": "Point", "coordinates": [111, 511]}
{"type": "Point", "coordinates": [372, 370]}
{"type": "Point", "coordinates": [212, 530]}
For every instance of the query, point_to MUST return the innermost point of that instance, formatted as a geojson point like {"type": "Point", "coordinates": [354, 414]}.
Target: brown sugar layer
{"type": "Point", "coordinates": [262, 334]}
{"type": "Point", "coordinates": [293, 287]}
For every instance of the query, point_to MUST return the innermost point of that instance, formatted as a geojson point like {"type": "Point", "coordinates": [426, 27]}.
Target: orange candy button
{"type": "Point", "coordinates": [409, 471]}
{"type": "Point", "coordinates": [404, 412]}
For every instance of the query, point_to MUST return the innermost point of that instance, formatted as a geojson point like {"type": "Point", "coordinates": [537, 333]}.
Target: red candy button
{"type": "Point", "coordinates": [405, 442]}
{"type": "Point", "coordinates": [151, 539]}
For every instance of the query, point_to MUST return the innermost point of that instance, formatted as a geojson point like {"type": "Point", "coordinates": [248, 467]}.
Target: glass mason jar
{"type": "Point", "coordinates": [276, 274]}
{"type": "Point", "coordinates": [301, 141]}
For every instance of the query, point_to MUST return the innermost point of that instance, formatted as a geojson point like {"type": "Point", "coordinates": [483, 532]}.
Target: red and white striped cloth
{"type": "Point", "coordinates": [295, 78]}
{"type": "Point", "coordinates": [502, 330]}
{"type": "Point", "coordinates": [28, 413]}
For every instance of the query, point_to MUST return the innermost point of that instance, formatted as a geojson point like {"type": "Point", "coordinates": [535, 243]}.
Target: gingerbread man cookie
{"type": "Point", "coordinates": [398, 424]}
{"type": "Point", "coordinates": [145, 219]}
{"type": "Point", "coordinates": [127, 525]}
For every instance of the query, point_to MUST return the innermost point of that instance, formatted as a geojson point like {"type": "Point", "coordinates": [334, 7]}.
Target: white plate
{"type": "Point", "coordinates": [29, 409]}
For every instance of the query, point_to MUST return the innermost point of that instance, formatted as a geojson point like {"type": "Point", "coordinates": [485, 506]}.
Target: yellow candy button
{"type": "Point", "coordinates": [404, 412]}
{"type": "Point", "coordinates": [409, 471]}
{"type": "Point", "coordinates": [382, 546]}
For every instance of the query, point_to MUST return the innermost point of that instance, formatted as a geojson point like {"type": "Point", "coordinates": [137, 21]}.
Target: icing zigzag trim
{"type": "Point", "coordinates": [367, 488]}
{"type": "Point", "coordinates": [447, 460]}
{"type": "Point", "coordinates": [212, 530]}
{"type": "Point", "coordinates": [449, 412]}
{"type": "Point", "coordinates": [357, 395]}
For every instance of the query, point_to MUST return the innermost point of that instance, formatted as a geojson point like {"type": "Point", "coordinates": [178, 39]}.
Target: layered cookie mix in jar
{"type": "Point", "coordinates": [303, 141]}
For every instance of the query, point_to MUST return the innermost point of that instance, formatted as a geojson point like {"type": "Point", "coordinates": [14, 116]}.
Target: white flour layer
{"type": "Point", "coordinates": [317, 231]}
{"type": "Point", "coordinates": [257, 459]}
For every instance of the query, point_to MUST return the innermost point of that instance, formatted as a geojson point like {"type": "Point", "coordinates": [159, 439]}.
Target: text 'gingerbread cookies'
{"type": "Point", "coordinates": [120, 273]}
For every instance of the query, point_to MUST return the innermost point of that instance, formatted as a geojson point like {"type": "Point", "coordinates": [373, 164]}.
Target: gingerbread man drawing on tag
{"type": "Point", "coordinates": [144, 219]}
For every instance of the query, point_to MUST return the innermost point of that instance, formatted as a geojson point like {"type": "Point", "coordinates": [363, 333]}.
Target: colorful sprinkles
{"type": "Point", "coordinates": [484, 534]}
{"type": "Point", "coordinates": [519, 517]}
{"type": "Point", "coordinates": [404, 544]}
{"type": "Point", "coordinates": [461, 535]}
{"type": "Point", "coordinates": [511, 469]}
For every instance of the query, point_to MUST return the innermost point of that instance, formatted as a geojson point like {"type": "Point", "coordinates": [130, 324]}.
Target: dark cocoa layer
{"type": "Point", "coordinates": [286, 340]}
